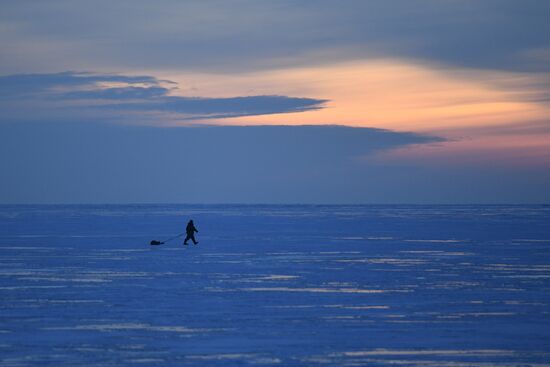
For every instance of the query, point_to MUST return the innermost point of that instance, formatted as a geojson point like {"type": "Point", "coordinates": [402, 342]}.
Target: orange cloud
{"type": "Point", "coordinates": [403, 96]}
{"type": "Point", "coordinates": [382, 93]}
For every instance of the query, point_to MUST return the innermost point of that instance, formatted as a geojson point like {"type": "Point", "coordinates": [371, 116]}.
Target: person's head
{"type": "Point", "coordinates": [191, 221]}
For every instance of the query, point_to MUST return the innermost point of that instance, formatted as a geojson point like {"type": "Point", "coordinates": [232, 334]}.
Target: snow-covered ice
{"type": "Point", "coordinates": [275, 285]}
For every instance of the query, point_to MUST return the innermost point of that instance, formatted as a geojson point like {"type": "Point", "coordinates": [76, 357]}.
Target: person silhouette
{"type": "Point", "coordinates": [190, 230]}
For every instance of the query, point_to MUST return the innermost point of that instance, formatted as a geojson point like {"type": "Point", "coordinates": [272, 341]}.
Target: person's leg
{"type": "Point", "coordinates": [193, 238]}
{"type": "Point", "coordinates": [186, 239]}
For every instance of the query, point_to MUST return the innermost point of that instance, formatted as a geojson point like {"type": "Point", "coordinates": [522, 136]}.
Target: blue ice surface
{"type": "Point", "coordinates": [275, 285]}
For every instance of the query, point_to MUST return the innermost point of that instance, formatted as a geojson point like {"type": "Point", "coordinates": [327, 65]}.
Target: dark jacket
{"type": "Point", "coordinates": [190, 229]}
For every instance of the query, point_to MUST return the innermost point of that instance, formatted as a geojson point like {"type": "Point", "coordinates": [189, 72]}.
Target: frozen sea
{"type": "Point", "coordinates": [275, 286]}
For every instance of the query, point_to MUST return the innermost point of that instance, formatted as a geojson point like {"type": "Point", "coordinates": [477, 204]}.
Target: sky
{"type": "Point", "coordinates": [289, 101]}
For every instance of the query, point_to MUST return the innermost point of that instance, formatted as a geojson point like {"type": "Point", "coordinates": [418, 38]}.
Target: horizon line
{"type": "Point", "coordinates": [273, 204]}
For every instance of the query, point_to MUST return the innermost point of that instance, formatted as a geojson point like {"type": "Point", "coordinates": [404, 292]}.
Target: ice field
{"type": "Point", "coordinates": [275, 286]}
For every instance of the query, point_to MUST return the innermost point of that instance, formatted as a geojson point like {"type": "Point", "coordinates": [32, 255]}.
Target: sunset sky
{"type": "Point", "coordinates": [395, 101]}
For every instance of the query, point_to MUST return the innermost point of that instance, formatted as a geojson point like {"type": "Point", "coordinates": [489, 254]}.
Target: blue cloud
{"type": "Point", "coordinates": [89, 162]}
{"type": "Point", "coordinates": [214, 35]}
{"type": "Point", "coordinates": [138, 93]}
{"type": "Point", "coordinates": [18, 85]}
{"type": "Point", "coordinates": [226, 107]}
{"type": "Point", "coordinates": [117, 94]}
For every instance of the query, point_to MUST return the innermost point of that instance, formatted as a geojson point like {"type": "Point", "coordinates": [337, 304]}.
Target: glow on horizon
{"type": "Point", "coordinates": [522, 150]}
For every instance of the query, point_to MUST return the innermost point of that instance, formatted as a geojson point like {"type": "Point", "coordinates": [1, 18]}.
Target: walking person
{"type": "Point", "coordinates": [190, 230]}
